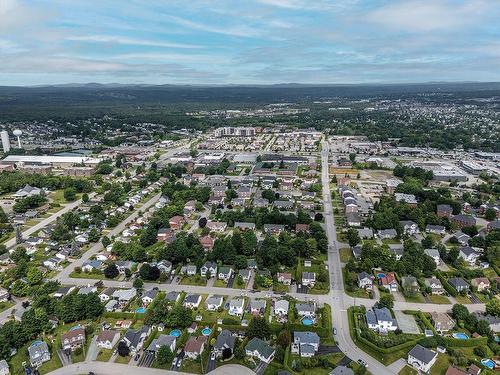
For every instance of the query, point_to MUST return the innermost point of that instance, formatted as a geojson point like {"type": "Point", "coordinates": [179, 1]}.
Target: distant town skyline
{"type": "Point", "coordinates": [248, 42]}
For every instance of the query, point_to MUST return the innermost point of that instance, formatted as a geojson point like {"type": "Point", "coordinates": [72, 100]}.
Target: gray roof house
{"type": "Point", "coordinates": [134, 338]}
{"type": "Point", "coordinates": [39, 353]}
{"type": "Point", "coordinates": [305, 343]}
{"type": "Point", "coordinates": [259, 349]}
{"type": "Point", "coordinates": [162, 340]}
{"type": "Point", "coordinates": [380, 320]}
{"type": "Point", "coordinates": [421, 358]}
{"type": "Point", "coordinates": [225, 340]}
{"type": "Point", "coordinates": [341, 370]}
{"type": "Point", "coordinates": [458, 283]}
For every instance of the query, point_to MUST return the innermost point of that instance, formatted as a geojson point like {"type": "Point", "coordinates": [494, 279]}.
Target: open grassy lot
{"type": "Point", "coordinates": [345, 254]}
{"type": "Point", "coordinates": [441, 300]}
{"type": "Point", "coordinates": [194, 280]}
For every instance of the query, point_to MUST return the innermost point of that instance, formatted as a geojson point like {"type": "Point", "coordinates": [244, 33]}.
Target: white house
{"type": "Point", "coordinates": [236, 306]}
{"type": "Point", "coordinates": [308, 278]}
{"type": "Point", "coordinates": [434, 254]}
{"type": "Point", "coordinates": [192, 301]}
{"type": "Point", "coordinates": [380, 320]}
{"type": "Point", "coordinates": [259, 349]}
{"type": "Point", "coordinates": [422, 358]}
{"type": "Point", "coordinates": [281, 307]}
{"type": "Point", "coordinates": [306, 344]}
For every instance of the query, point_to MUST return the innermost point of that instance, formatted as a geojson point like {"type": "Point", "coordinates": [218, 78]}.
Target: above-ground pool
{"type": "Point", "coordinates": [141, 310]}
{"type": "Point", "coordinates": [380, 275]}
{"type": "Point", "coordinates": [307, 322]}
{"type": "Point", "coordinates": [175, 332]}
{"type": "Point", "coordinates": [460, 336]}
{"type": "Point", "coordinates": [206, 331]}
{"type": "Point", "coordinates": [488, 363]}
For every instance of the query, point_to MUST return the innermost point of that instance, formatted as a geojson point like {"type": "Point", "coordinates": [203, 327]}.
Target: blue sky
{"type": "Point", "coordinates": [247, 42]}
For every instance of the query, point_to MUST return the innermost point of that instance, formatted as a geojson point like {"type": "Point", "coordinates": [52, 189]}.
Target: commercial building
{"type": "Point", "coordinates": [51, 160]}
{"type": "Point", "coordinates": [235, 132]}
{"type": "Point", "coordinates": [5, 141]}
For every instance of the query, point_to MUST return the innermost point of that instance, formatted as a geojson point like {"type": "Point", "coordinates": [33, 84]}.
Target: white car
{"type": "Point", "coordinates": [212, 356]}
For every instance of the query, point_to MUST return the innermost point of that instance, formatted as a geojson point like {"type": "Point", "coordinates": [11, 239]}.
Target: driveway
{"type": "Point", "coordinates": [93, 350]}
{"type": "Point", "coordinates": [261, 368]}
{"type": "Point", "coordinates": [65, 358]}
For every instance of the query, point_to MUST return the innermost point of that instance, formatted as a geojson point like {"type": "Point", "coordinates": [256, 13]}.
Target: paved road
{"type": "Point", "coordinates": [42, 224]}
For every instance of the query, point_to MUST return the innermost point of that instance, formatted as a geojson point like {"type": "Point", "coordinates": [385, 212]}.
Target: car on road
{"type": "Point", "coordinates": [137, 356]}
{"type": "Point", "coordinates": [362, 363]}
{"type": "Point", "coordinates": [335, 331]}
{"type": "Point", "coordinates": [212, 356]}
{"type": "Point", "coordinates": [179, 362]}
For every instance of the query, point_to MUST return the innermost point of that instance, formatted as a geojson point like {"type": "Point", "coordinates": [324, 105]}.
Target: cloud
{"type": "Point", "coordinates": [239, 31]}
{"type": "Point", "coordinates": [129, 41]}
{"type": "Point", "coordinates": [427, 15]}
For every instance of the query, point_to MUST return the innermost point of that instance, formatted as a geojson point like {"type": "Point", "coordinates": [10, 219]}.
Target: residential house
{"type": "Point", "coordinates": [442, 322]}
{"type": "Point", "coordinates": [124, 295]}
{"type": "Point", "coordinates": [341, 370]}
{"type": "Point", "coordinates": [148, 296]}
{"type": "Point", "coordinates": [281, 307]}
{"type": "Point", "coordinates": [409, 199]}
{"type": "Point", "coordinates": [389, 282]}
{"type": "Point", "coordinates": [302, 228]}
{"type": "Point", "coordinates": [244, 226]}
{"type": "Point", "coordinates": [225, 340]}
{"type": "Point", "coordinates": [410, 228]}
{"type": "Point", "coordinates": [306, 343]}
{"type": "Point", "coordinates": [493, 321]}
{"type": "Point", "coordinates": [192, 301]}
{"type": "Point", "coordinates": [64, 291]}
{"type": "Point", "coordinates": [176, 222]}
{"type": "Point", "coordinates": [165, 234]}
{"type": "Point", "coordinates": [386, 234]}
{"type": "Point", "coordinates": [444, 210]}
{"type": "Point", "coordinates": [4, 367]}
{"type": "Point", "coordinates": [435, 285]}
{"type": "Point", "coordinates": [107, 339]}
{"type": "Point", "coordinates": [209, 269]}
{"type": "Point", "coordinates": [217, 226]}
{"type": "Point", "coordinates": [135, 338]}
{"type": "Point", "coordinates": [365, 280]}
{"type": "Point", "coordinates": [53, 263]}
{"type": "Point", "coordinates": [468, 254]}
{"type": "Point", "coordinates": [273, 228]}
{"type": "Point", "coordinates": [106, 294]}
{"type": "Point", "coordinates": [462, 238]}
{"type": "Point", "coordinates": [257, 307]}
{"type": "Point", "coordinates": [195, 346]}
{"type": "Point", "coordinates": [458, 284]}
{"type": "Point", "coordinates": [421, 358]}
{"type": "Point", "coordinates": [259, 349]}
{"type": "Point", "coordinates": [283, 205]}
{"type": "Point", "coordinates": [225, 273]}
{"type": "Point", "coordinates": [27, 191]}
{"type": "Point", "coordinates": [162, 340]}
{"type": "Point", "coordinates": [111, 305]}
{"type": "Point", "coordinates": [73, 339]}
{"type": "Point", "coordinates": [172, 296]}
{"type": "Point", "coordinates": [306, 309]}
{"type": "Point", "coordinates": [91, 265]}
{"type": "Point", "coordinates": [164, 266]}
{"type": "Point", "coordinates": [207, 242]}
{"type": "Point", "coordinates": [397, 249]}
{"type": "Point", "coordinates": [463, 221]}
{"type": "Point", "coordinates": [380, 320]}
{"type": "Point", "coordinates": [260, 203]}
{"type": "Point", "coordinates": [435, 229]}
{"type": "Point", "coordinates": [284, 278]}
{"type": "Point", "coordinates": [434, 254]}
{"type": "Point", "coordinates": [410, 285]}
{"type": "Point", "coordinates": [214, 302]}
{"type": "Point", "coordinates": [124, 265]}
{"type": "Point", "coordinates": [236, 306]}
{"type": "Point", "coordinates": [4, 295]}
{"type": "Point", "coordinates": [38, 353]}
{"type": "Point", "coordinates": [480, 283]}
{"type": "Point", "coordinates": [244, 274]}
{"type": "Point", "coordinates": [353, 219]}
{"type": "Point", "coordinates": [87, 290]}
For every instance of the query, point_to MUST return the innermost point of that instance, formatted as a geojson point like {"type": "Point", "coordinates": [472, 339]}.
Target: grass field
{"type": "Point", "coordinates": [194, 280]}
{"type": "Point", "coordinates": [440, 300]}
{"type": "Point", "coordinates": [345, 254]}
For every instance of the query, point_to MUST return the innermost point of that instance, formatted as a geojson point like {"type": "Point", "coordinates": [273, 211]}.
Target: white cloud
{"type": "Point", "coordinates": [130, 41]}
{"type": "Point", "coordinates": [428, 15]}
{"type": "Point", "coordinates": [240, 31]}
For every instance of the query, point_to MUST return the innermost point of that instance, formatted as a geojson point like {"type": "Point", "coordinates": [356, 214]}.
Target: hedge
{"type": "Point", "coordinates": [119, 315]}
{"type": "Point", "coordinates": [457, 343]}
{"type": "Point", "coordinates": [377, 348]}
{"type": "Point", "coordinates": [446, 285]}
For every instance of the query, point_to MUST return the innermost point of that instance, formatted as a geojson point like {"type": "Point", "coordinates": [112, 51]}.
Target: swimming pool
{"type": "Point", "coordinates": [175, 332]}
{"type": "Point", "coordinates": [307, 322]}
{"type": "Point", "coordinates": [140, 310]}
{"type": "Point", "coordinates": [380, 275]}
{"type": "Point", "coordinates": [488, 363]}
{"type": "Point", "coordinates": [460, 336]}
{"type": "Point", "coordinates": [206, 331]}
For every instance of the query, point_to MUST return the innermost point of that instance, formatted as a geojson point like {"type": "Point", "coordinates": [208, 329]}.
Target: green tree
{"type": "Point", "coordinates": [490, 214]}
{"type": "Point", "coordinates": [459, 312]}
{"type": "Point", "coordinates": [138, 284]}
{"type": "Point", "coordinates": [85, 198]}
{"type": "Point", "coordinates": [387, 300]}
{"type": "Point", "coordinates": [69, 194]}
{"type": "Point", "coordinates": [164, 355]}
{"type": "Point", "coordinates": [34, 275]}
{"type": "Point", "coordinates": [353, 237]}
{"type": "Point", "coordinates": [493, 307]}
{"type": "Point", "coordinates": [111, 271]}
{"type": "Point", "coordinates": [259, 327]}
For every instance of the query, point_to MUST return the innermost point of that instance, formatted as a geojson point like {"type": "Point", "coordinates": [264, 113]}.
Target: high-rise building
{"type": "Point", "coordinates": [5, 141]}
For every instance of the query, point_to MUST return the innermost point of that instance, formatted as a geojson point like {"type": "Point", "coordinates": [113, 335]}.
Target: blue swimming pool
{"type": "Point", "coordinates": [175, 332]}
{"type": "Point", "coordinates": [307, 322]}
{"type": "Point", "coordinates": [206, 331]}
{"type": "Point", "coordinates": [488, 363]}
{"type": "Point", "coordinates": [460, 336]}
{"type": "Point", "coordinates": [140, 310]}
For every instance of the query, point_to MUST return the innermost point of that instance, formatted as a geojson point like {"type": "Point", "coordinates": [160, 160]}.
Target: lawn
{"type": "Point", "coordinates": [418, 298]}
{"type": "Point", "coordinates": [220, 283]}
{"type": "Point", "coordinates": [407, 370]}
{"type": "Point", "coordinates": [124, 360]}
{"type": "Point", "coordinates": [87, 275]}
{"type": "Point", "coordinates": [279, 287]}
{"type": "Point", "coordinates": [462, 299]}
{"type": "Point", "coordinates": [104, 355]}
{"type": "Point", "coordinates": [489, 273]}
{"type": "Point", "coordinates": [5, 305]}
{"type": "Point", "coordinates": [438, 299]}
{"type": "Point", "coordinates": [345, 254]}
{"type": "Point", "coordinates": [192, 366]}
{"type": "Point", "coordinates": [194, 280]}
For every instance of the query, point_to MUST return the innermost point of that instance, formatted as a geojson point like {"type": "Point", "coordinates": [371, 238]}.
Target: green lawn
{"type": "Point", "coordinates": [124, 360]}
{"type": "Point", "coordinates": [86, 275]}
{"type": "Point", "coordinates": [220, 283]}
{"type": "Point", "coordinates": [104, 355]}
{"type": "Point", "coordinates": [490, 273]}
{"type": "Point", "coordinates": [407, 370]}
{"type": "Point", "coordinates": [438, 299]}
{"type": "Point", "coordinates": [462, 299]}
{"type": "Point", "coordinates": [194, 280]}
{"type": "Point", "coordinates": [6, 305]}
{"type": "Point", "coordinates": [418, 298]}
{"type": "Point", "coordinates": [279, 287]}
{"type": "Point", "coordinates": [191, 366]}
{"type": "Point", "coordinates": [345, 254]}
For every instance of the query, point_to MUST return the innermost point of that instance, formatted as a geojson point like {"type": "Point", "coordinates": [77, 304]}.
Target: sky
{"type": "Point", "coordinates": [216, 42]}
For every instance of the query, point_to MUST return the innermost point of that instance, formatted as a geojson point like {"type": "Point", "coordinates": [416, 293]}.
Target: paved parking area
{"type": "Point", "coordinates": [406, 323]}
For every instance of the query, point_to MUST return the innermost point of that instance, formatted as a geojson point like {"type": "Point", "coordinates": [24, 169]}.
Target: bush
{"type": "Point", "coordinates": [481, 351]}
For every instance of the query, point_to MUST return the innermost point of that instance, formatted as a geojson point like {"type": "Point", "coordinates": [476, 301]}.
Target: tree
{"type": "Point", "coordinates": [138, 284]}
{"type": "Point", "coordinates": [227, 353]}
{"type": "Point", "coordinates": [148, 272]}
{"type": "Point", "coordinates": [387, 300]}
{"type": "Point", "coordinates": [179, 316]}
{"type": "Point", "coordinates": [164, 355]}
{"type": "Point", "coordinates": [483, 327]}
{"type": "Point", "coordinates": [70, 194]}
{"type": "Point", "coordinates": [111, 271]}
{"type": "Point", "coordinates": [34, 275]}
{"type": "Point", "coordinates": [202, 223]}
{"type": "Point", "coordinates": [105, 241]}
{"type": "Point", "coordinates": [259, 327]}
{"type": "Point", "coordinates": [352, 157]}
{"type": "Point", "coordinates": [123, 349]}
{"type": "Point", "coordinates": [85, 198]}
{"type": "Point", "coordinates": [459, 312]}
{"type": "Point", "coordinates": [284, 338]}
{"type": "Point", "coordinates": [490, 214]}
{"type": "Point", "coordinates": [493, 307]}
{"type": "Point", "coordinates": [353, 237]}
